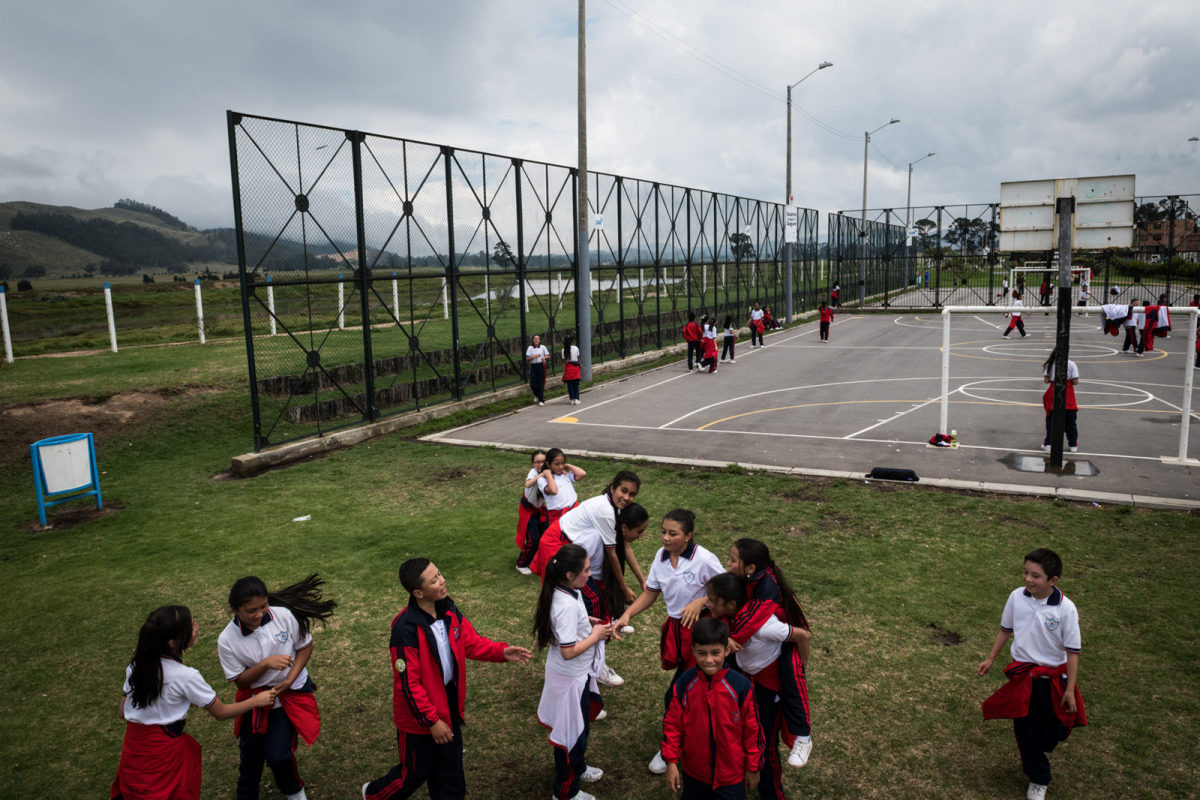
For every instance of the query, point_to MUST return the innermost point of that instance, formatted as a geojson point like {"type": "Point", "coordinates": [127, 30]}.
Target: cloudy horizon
{"type": "Point", "coordinates": [105, 101]}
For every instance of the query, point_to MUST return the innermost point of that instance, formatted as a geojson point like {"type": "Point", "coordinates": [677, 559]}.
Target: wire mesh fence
{"type": "Point", "coordinates": [382, 275]}
{"type": "Point", "coordinates": [951, 257]}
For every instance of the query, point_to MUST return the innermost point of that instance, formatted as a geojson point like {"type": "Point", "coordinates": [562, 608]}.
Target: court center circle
{"type": "Point", "coordinates": [1041, 351]}
{"type": "Point", "coordinates": [1126, 395]}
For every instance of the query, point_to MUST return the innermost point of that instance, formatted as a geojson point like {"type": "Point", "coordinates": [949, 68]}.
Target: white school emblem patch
{"type": "Point", "coordinates": [689, 577]}
{"type": "Point", "coordinates": [281, 637]}
{"type": "Point", "coordinates": [1052, 624]}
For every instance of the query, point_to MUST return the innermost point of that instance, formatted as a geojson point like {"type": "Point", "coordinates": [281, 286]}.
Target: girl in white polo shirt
{"type": "Point", "coordinates": [756, 327]}
{"type": "Point", "coordinates": [557, 484]}
{"type": "Point", "coordinates": [157, 758]}
{"type": "Point", "coordinates": [570, 696]}
{"type": "Point", "coordinates": [531, 514]}
{"type": "Point", "coordinates": [266, 647]}
{"type": "Point", "coordinates": [536, 354]}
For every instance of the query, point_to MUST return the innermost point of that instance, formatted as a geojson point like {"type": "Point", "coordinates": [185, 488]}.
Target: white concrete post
{"type": "Point", "coordinates": [704, 278]}
{"type": "Point", "coordinates": [724, 285]}
{"type": "Point", "coordinates": [528, 289]}
{"type": "Point", "coordinates": [271, 303]}
{"type": "Point", "coordinates": [642, 284]}
{"type": "Point", "coordinates": [396, 298]}
{"type": "Point", "coordinates": [487, 294]}
{"type": "Point", "coordinates": [341, 303]}
{"type": "Point", "coordinates": [8, 356]}
{"type": "Point", "coordinates": [199, 311]}
{"type": "Point", "coordinates": [445, 301]}
{"type": "Point", "coordinates": [112, 326]}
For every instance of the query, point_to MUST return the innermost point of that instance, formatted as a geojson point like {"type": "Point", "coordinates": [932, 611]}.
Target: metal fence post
{"type": "Point", "coordinates": [452, 273]}
{"type": "Point", "coordinates": [522, 271]}
{"type": "Point", "coordinates": [232, 120]}
{"type": "Point", "coordinates": [621, 263]}
{"type": "Point", "coordinates": [689, 274]}
{"type": "Point", "coordinates": [657, 271]}
{"type": "Point", "coordinates": [1171, 215]}
{"type": "Point", "coordinates": [993, 259]}
{"type": "Point", "coordinates": [363, 275]}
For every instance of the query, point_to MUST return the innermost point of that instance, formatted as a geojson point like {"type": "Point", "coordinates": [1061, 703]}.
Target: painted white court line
{"type": "Point", "coordinates": [984, 321]}
{"type": "Point", "coordinates": [896, 417]}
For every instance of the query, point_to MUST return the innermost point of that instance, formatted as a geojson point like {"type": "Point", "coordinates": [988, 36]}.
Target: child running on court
{"type": "Point", "coordinates": [826, 314]}
{"type": "Point", "coordinates": [1015, 316]}
{"type": "Point", "coordinates": [770, 595]}
{"type": "Point", "coordinates": [759, 660]}
{"type": "Point", "coordinates": [531, 514]}
{"type": "Point", "coordinates": [712, 740]}
{"type": "Point", "coordinates": [570, 697]}
{"type": "Point", "coordinates": [266, 647]}
{"type": "Point", "coordinates": [157, 758]}
{"type": "Point", "coordinates": [727, 349]}
{"type": "Point", "coordinates": [680, 571]}
{"type": "Point", "coordinates": [1041, 696]}
{"type": "Point", "coordinates": [431, 641]}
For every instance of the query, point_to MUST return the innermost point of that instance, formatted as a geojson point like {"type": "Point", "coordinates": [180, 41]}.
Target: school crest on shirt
{"type": "Point", "coordinates": [689, 578]}
{"type": "Point", "coordinates": [1052, 624]}
{"type": "Point", "coordinates": [281, 637]}
{"type": "Point", "coordinates": [456, 631]}
{"type": "Point", "coordinates": [735, 716]}
{"type": "Point", "coordinates": [401, 666]}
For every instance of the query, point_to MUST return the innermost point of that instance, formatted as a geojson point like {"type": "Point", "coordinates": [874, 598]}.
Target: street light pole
{"type": "Point", "coordinates": [583, 277]}
{"type": "Point", "coordinates": [788, 193]}
{"type": "Point", "coordinates": [908, 213]}
{"type": "Point", "coordinates": [862, 266]}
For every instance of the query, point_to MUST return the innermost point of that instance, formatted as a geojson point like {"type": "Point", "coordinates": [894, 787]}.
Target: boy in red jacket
{"type": "Point", "coordinates": [431, 641]}
{"type": "Point", "coordinates": [692, 335]}
{"type": "Point", "coordinates": [711, 727]}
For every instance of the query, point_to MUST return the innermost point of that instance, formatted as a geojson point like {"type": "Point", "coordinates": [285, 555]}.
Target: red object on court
{"type": "Point", "coordinates": [157, 765]}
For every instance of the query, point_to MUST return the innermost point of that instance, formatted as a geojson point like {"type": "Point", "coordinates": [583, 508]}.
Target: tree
{"type": "Point", "coordinates": [742, 249]}
{"type": "Point", "coordinates": [34, 272]}
{"type": "Point", "coordinates": [24, 286]}
{"type": "Point", "coordinates": [5, 272]}
{"type": "Point", "coordinates": [89, 269]}
{"type": "Point", "coordinates": [502, 254]}
{"type": "Point", "coordinates": [968, 235]}
{"type": "Point", "coordinates": [146, 278]}
{"type": "Point", "coordinates": [926, 234]}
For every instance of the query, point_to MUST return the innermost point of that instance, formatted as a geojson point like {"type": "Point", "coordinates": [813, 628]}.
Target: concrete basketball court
{"type": "Point", "coordinates": [870, 397]}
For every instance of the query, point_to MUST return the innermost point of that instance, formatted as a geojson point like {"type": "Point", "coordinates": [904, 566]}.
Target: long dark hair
{"type": "Point", "coordinates": [569, 558]}
{"type": "Point", "coordinates": [729, 320]}
{"type": "Point", "coordinates": [566, 351]}
{"type": "Point", "coordinates": [303, 599]}
{"type": "Point", "coordinates": [164, 625]}
{"type": "Point", "coordinates": [1046, 364]}
{"type": "Point", "coordinates": [729, 587]}
{"type": "Point", "coordinates": [552, 454]}
{"type": "Point", "coordinates": [752, 551]}
{"type": "Point", "coordinates": [631, 516]}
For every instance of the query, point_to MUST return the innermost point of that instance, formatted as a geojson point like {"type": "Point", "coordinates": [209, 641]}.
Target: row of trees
{"type": "Point", "coordinates": [154, 211]}
{"type": "Point", "coordinates": [128, 247]}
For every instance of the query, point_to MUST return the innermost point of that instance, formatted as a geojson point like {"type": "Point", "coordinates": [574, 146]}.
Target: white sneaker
{"type": "Point", "coordinates": [1036, 792]}
{"type": "Point", "coordinates": [591, 775]}
{"type": "Point", "coordinates": [1073, 449]}
{"type": "Point", "coordinates": [628, 629]}
{"type": "Point", "coordinates": [540, 403]}
{"type": "Point", "coordinates": [609, 677]}
{"type": "Point", "coordinates": [602, 715]}
{"type": "Point", "coordinates": [365, 785]}
{"type": "Point", "coordinates": [657, 765]}
{"type": "Point", "coordinates": [731, 361]}
{"type": "Point", "coordinates": [799, 754]}
{"type": "Point", "coordinates": [300, 795]}
{"type": "Point", "coordinates": [1045, 448]}
{"type": "Point", "coordinates": [525, 570]}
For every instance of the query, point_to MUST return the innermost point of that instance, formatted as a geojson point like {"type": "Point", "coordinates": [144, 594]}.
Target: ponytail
{"type": "Point", "coordinates": [164, 625]}
{"type": "Point", "coordinates": [569, 558]}
{"type": "Point", "coordinates": [753, 552]}
{"type": "Point", "coordinates": [303, 599]}
{"type": "Point", "coordinates": [566, 351]}
{"type": "Point", "coordinates": [631, 516]}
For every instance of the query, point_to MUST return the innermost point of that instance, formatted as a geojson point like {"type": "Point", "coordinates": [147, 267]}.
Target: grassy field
{"type": "Point", "coordinates": [888, 575]}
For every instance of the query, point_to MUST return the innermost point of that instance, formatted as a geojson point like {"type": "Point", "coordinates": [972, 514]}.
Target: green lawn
{"type": "Point", "coordinates": [882, 572]}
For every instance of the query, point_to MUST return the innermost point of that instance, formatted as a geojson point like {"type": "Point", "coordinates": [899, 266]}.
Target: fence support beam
{"type": "Point", "coordinates": [363, 277]}
{"type": "Point", "coordinates": [450, 281]}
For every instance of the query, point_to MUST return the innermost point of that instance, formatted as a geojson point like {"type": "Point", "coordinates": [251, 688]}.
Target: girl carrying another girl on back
{"type": "Point", "coordinates": [266, 647]}
{"type": "Point", "coordinates": [680, 571]}
{"type": "Point", "coordinates": [710, 346]}
{"type": "Point", "coordinates": [570, 696]}
{"type": "Point", "coordinates": [531, 514]}
{"type": "Point", "coordinates": [157, 758]}
{"type": "Point", "coordinates": [557, 484]}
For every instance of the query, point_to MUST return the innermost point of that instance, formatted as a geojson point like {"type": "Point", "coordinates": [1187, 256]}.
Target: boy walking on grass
{"type": "Point", "coordinates": [1041, 697]}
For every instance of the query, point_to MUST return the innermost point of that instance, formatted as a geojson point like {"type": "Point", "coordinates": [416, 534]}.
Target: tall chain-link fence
{"type": "Point", "coordinates": [382, 275]}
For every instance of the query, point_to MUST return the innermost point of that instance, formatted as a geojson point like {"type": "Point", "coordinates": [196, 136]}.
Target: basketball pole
{"type": "Point", "coordinates": [1058, 416]}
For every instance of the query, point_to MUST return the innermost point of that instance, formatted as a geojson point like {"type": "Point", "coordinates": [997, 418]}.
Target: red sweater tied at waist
{"type": "Point", "coordinates": [300, 707]}
{"type": "Point", "coordinates": [1011, 701]}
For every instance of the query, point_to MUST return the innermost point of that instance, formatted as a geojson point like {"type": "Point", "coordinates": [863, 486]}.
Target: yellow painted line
{"type": "Point", "coordinates": [566, 419]}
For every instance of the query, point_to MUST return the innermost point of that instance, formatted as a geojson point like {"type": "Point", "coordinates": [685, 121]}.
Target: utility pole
{"type": "Point", "coordinates": [583, 276]}
{"type": "Point", "coordinates": [862, 234]}
{"type": "Point", "coordinates": [788, 193]}
{"type": "Point", "coordinates": [1058, 415]}
{"type": "Point", "coordinates": [908, 214]}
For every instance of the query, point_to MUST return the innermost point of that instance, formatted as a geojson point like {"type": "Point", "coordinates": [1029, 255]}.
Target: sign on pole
{"type": "Point", "coordinates": [791, 224]}
{"type": "Point", "coordinates": [599, 222]}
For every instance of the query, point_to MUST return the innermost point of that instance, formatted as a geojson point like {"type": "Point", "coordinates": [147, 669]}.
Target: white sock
{"type": "Point", "coordinates": [805, 739]}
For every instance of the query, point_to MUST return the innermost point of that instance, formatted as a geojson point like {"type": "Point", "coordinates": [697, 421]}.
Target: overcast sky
{"type": "Point", "coordinates": [126, 98]}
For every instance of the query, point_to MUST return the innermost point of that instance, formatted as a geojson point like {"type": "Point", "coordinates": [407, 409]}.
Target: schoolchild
{"type": "Point", "coordinates": [598, 514]}
{"type": "Point", "coordinates": [1133, 323]}
{"type": "Point", "coordinates": [531, 514]}
{"type": "Point", "coordinates": [1015, 317]}
{"type": "Point", "coordinates": [536, 354]}
{"type": "Point", "coordinates": [159, 760]}
{"type": "Point", "coordinates": [1003, 289]}
{"type": "Point", "coordinates": [756, 327]}
{"type": "Point", "coordinates": [1156, 324]}
{"type": "Point", "coordinates": [1044, 292]}
{"type": "Point", "coordinates": [1195, 301]}
{"type": "Point", "coordinates": [266, 647]}
{"type": "Point", "coordinates": [431, 641]}
{"type": "Point", "coordinates": [770, 595]}
{"type": "Point", "coordinates": [712, 739]}
{"type": "Point", "coordinates": [1164, 318]}
{"type": "Point", "coordinates": [759, 660]}
{"type": "Point", "coordinates": [571, 374]}
{"type": "Point", "coordinates": [557, 484]}
{"type": "Point", "coordinates": [826, 314]}
{"type": "Point", "coordinates": [680, 571]}
{"type": "Point", "coordinates": [570, 696]}
{"type": "Point", "coordinates": [692, 335]}
{"type": "Point", "coordinates": [833, 295]}
{"type": "Point", "coordinates": [1072, 408]}
{"type": "Point", "coordinates": [710, 346]}
{"type": "Point", "coordinates": [769, 322]}
{"type": "Point", "coordinates": [727, 346]}
{"type": "Point", "coordinates": [1041, 696]}
{"type": "Point", "coordinates": [1083, 296]}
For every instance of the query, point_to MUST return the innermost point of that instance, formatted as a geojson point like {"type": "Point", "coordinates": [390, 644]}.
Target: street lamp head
{"type": "Point", "coordinates": [931, 154]}
{"type": "Point", "coordinates": [825, 64]}
{"type": "Point", "coordinates": [893, 122]}
{"type": "Point", "coordinates": [1194, 139]}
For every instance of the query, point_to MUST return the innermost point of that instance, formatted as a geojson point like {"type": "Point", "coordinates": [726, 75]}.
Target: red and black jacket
{"type": "Point", "coordinates": [692, 332]}
{"type": "Point", "coordinates": [711, 729]}
{"type": "Point", "coordinates": [418, 692]}
{"type": "Point", "coordinates": [764, 600]}
{"type": "Point", "coordinates": [826, 314]}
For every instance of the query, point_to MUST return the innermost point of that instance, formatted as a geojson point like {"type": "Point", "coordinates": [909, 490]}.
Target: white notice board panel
{"type": "Point", "coordinates": [67, 466]}
{"type": "Point", "coordinates": [1103, 213]}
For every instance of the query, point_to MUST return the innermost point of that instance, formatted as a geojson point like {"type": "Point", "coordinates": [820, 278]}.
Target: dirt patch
{"type": "Point", "coordinates": [796, 532]}
{"type": "Point", "coordinates": [946, 637]}
{"type": "Point", "coordinates": [225, 284]}
{"type": "Point", "coordinates": [64, 518]}
{"type": "Point", "coordinates": [452, 474]}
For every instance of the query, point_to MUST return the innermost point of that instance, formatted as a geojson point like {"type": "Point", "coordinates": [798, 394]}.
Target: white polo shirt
{"type": "Point", "coordinates": [756, 314]}
{"type": "Point", "coordinates": [764, 646]}
{"type": "Point", "coordinates": [1072, 371]}
{"type": "Point", "coordinates": [1137, 319]}
{"type": "Point", "coordinates": [538, 353]}
{"type": "Point", "coordinates": [279, 634]}
{"type": "Point", "coordinates": [684, 582]}
{"type": "Point", "coordinates": [532, 494]}
{"type": "Point", "coordinates": [569, 624]}
{"type": "Point", "coordinates": [566, 496]}
{"type": "Point", "coordinates": [593, 526]}
{"type": "Point", "coordinates": [182, 688]}
{"type": "Point", "coordinates": [1015, 305]}
{"type": "Point", "coordinates": [1044, 631]}
{"type": "Point", "coordinates": [445, 654]}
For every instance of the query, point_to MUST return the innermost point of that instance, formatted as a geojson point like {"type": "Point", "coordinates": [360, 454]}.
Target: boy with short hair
{"type": "Point", "coordinates": [712, 741]}
{"type": "Point", "coordinates": [431, 641]}
{"type": "Point", "coordinates": [1041, 697]}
